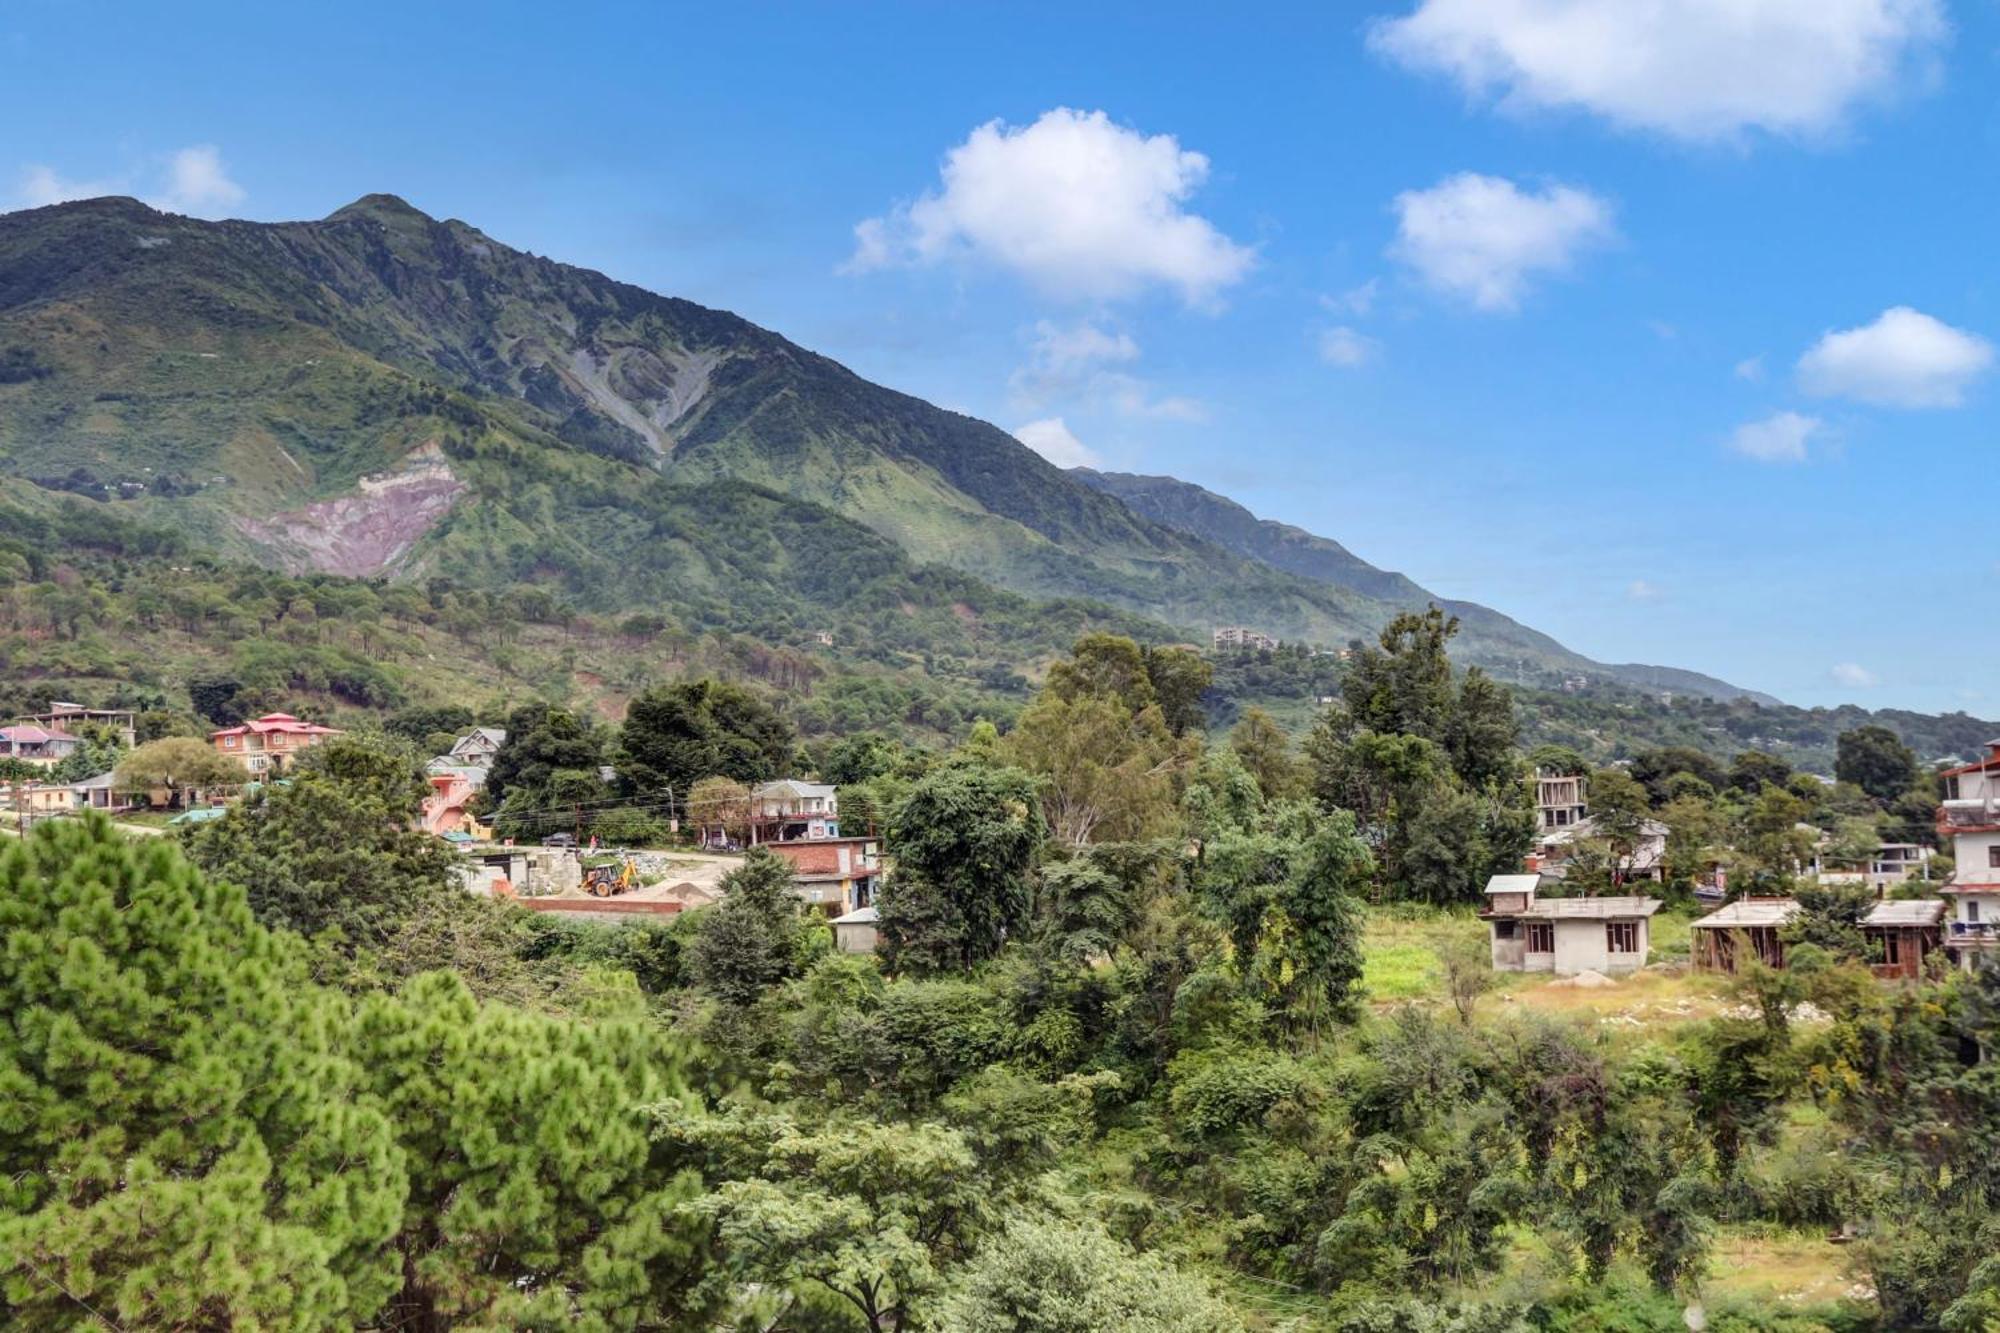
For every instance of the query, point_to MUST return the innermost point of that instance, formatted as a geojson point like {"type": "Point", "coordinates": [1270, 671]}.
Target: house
{"type": "Point", "coordinates": [444, 810]}
{"type": "Point", "coordinates": [32, 743]}
{"type": "Point", "coordinates": [265, 744]}
{"type": "Point", "coordinates": [1237, 637]}
{"type": "Point", "coordinates": [858, 931]}
{"type": "Point", "coordinates": [836, 875]}
{"type": "Point", "coordinates": [1751, 923]}
{"type": "Point", "coordinates": [62, 715]}
{"type": "Point", "coordinates": [1903, 931]}
{"type": "Point", "coordinates": [1559, 800]}
{"type": "Point", "coordinates": [98, 793]}
{"type": "Point", "coordinates": [475, 749]}
{"type": "Point", "coordinates": [789, 810]}
{"type": "Point", "coordinates": [1565, 935]}
{"type": "Point", "coordinates": [1890, 863]}
{"type": "Point", "coordinates": [39, 800]}
{"type": "Point", "coordinates": [1648, 858]}
{"type": "Point", "coordinates": [1970, 817]}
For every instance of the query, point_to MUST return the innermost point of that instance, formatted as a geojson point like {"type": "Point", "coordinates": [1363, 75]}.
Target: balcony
{"type": "Point", "coordinates": [1974, 932]}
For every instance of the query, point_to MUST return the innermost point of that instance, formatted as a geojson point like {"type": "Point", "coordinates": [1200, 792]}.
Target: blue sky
{"type": "Point", "coordinates": [1664, 327]}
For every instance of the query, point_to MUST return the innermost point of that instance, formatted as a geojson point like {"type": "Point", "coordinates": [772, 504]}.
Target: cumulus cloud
{"type": "Point", "coordinates": [1904, 359]}
{"type": "Point", "coordinates": [1076, 204]}
{"type": "Point", "coordinates": [1639, 590]}
{"type": "Point", "coordinates": [1347, 348]}
{"type": "Point", "coordinates": [198, 184]}
{"type": "Point", "coordinates": [1779, 438]}
{"type": "Point", "coordinates": [1056, 442]}
{"type": "Point", "coordinates": [1751, 368]}
{"type": "Point", "coordinates": [1483, 238]}
{"type": "Point", "coordinates": [1359, 301]}
{"type": "Point", "coordinates": [1854, 676]}
{"type": "Point", "coordinates": [1692, 69]}
{"type": "Point", "coordinates": [191, 180]}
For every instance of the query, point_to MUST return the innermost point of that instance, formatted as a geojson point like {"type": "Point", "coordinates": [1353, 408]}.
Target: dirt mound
{"type": "Point", "coordinates": [1586, 980]}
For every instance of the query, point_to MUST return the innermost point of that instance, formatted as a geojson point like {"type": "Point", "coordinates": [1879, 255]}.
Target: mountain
{"type": "Point", "coordinates": [1202, 513]}
{"type": "Point", "coordinates": [380, 393]}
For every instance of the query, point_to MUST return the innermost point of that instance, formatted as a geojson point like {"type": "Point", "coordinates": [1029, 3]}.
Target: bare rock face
{"type": "Point", "coordinates": [364, 533]}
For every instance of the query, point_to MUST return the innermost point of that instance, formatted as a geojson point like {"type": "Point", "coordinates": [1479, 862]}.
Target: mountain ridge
{"type": "Point", "coordinates": [254, 380]}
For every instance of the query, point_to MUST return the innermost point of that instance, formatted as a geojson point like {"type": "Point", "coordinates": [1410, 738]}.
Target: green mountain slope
{"type": "Point", "coordinates": [1202, 513]}
{"type": "Point", "coordinates": [380, 392]}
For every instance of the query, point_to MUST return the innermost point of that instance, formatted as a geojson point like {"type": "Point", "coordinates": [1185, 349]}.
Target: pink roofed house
{"type": "Point", "coordinates": [33, 744]}
{"type": "Point", "coordinates": [263, 744]}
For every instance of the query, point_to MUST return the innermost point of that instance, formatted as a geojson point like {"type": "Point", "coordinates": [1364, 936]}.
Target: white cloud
{"type": "Point", "coordinates": [1358, 301]}
{"type": "Point", "coordinates": [198, 184]}
{"type": "Point", "coordinates": [41, 186]}
{"type": "Point", "coordinates": [1054, 441]}
{"type": "Point", "coordinates": [1693, 69]}
{"type": "Point", "coordinates": [1073, 363]}
{"type": "Point", "coordinates": [192, 180]}
{"type": "Point", "coordinates": [1078, 205]}
{"type": "Point", "coordinates": [1347, 348]}
{"type": "Point", "coordinates": [1638, 590]}
{"type": "Point", "coordinates": [1484, 238]}
{"type": "Point", "coordinates": [1751, 368]}
{"type": "Point", "coordinates": [1904, 359]}
{"type": "Point", "coordinates": [1779, 438]}
{"type": "Point", "coordinates": [1854, 676]}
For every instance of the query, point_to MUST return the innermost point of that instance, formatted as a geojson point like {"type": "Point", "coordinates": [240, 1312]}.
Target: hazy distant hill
{"type": "Point", "coordinates": [1202, 513]}
{"type": "Point", "coordinates": [380, 392]}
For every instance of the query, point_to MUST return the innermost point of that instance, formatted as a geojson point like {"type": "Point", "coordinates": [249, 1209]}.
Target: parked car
{"type": "Point", "coordinates": [559, 840]}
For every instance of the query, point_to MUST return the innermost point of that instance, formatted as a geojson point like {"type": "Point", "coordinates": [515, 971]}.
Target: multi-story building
{"type": "Point", "coordinates": [836, 875]}
{"type": "Point", "coordinates": [790, 811]}
{"type": "Point", "coordinates": [120, 720]}
{"type": "Point", "coordinates": [1559, 800]}
{"type": "Point", "coordinates": [1970, 817]}
{"type": "Point", "coordinates": [1239, 637]}
{"type": "Point", "coordinates": [266, 744]}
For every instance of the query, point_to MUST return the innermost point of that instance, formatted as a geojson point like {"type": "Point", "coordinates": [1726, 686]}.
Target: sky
{"type": "Point", "coordinates": [1665, 326]}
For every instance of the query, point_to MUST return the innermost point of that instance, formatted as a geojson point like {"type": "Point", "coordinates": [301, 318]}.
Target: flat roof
{"type": "Point", "coordinates": [1747, 912]}
{"type": "Point", "coordinates": [1592, 909]}
{"type": "Point", "coordinates": [1905, 912]}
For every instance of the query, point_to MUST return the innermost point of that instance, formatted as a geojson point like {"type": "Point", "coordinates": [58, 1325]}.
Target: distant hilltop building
{"type": "Point", "coordinates": [1236, 636]}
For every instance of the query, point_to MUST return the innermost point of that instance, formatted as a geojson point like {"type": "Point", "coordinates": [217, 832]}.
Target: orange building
{"type": "Point", "coordinates": [263, 745]}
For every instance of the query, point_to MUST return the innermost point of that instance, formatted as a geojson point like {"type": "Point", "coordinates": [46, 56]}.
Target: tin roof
{"type": "Point", "coordinates": [860, 916]}
{"type": "Point", "coordinates": [1512, 884]}
{"type": "Point", "coordinates": [1905, 912]}
{"type": "Point", "coordinates": [1747, 912]}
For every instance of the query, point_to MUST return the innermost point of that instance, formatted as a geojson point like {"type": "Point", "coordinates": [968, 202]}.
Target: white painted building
{"type": "Point", "coordinates": [1565, 935]}
{"type": "Point", "coordinates": [1970, 817]}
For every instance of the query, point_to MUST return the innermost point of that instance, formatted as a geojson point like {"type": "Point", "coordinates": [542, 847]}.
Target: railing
{"type": "Point", "coordinates": [1974, 930]}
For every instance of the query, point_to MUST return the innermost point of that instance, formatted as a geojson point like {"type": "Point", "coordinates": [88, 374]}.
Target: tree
{"type": "Point", "coordinates": [1105, 666]}
{"type": "Point", "coordinates": [1107, 772]}
{"type": "Point", "coordinates": [1467, 961]}
{"type": "Point", "coordinates": [1179, 676]}
{"type": "Point", "coordinates": [965, 841]}
{"type": "Point", "coordinates": [1619, 813]}
{"type": "Point", "coordinates": [1753, 770]}
{"type": "Point", "coordinates": [755, 937]}
{"type": "Point", "coordinates": [1040, 1275]}
{"type": "Point", "coordinates": [1482, 732]}
{"type": "Point", "coordinates": [1875, 759]}
{"type": "Point", "coordinates": [676, 734]}
{"type": "Point", "coordinates": [541, 740]}
{"type": "Point", "coordinates": [188, 1143]}
{"type": "Point", "coordinates": [334, 847]}
{"type": "Point", "coordinates": [1402, 685]}
{"type": "Point", "coordinates": [1267, 753]}
{"type": "Point", "coordinates": [720, 803]}
{"type": "Point", "coordinates": [867, 1212]}
{"type": "Point", "coordinates": [179, 764]}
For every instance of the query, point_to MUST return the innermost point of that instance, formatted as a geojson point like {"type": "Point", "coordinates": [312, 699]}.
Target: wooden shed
{"type": "Point", "coordinates": [1904, 930]}
{"type": "Point", "coordinates": [1718, 940]}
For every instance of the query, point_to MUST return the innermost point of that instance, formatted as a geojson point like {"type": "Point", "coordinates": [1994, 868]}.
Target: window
{"type": "Point", "coordinates": [1993, 856]}
{"type": "Point", "coordinates": [1541, 937]}
{"type": "Point", "coordinates": [1622, 936]}
{"type": "Point", "coordinates": [1972, 910]}
{"type": "Point", "coordinates": [1891, 950]}
{"type": "Point", "coordinates": [1504, 930]}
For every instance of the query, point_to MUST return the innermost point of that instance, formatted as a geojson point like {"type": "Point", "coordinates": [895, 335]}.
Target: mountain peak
{"type": "Point", "coordinates": [385, 208]}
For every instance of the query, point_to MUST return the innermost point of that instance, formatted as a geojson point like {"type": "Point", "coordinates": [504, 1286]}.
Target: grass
{"type": "Point", "coordinates": [1788, 1266]}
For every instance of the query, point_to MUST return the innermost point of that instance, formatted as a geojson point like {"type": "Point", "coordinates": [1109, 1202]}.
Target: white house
{"type": "Point", "coordinates": [1970, 816]}
{"type": "Point", "coordinates": [1565, 935]}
